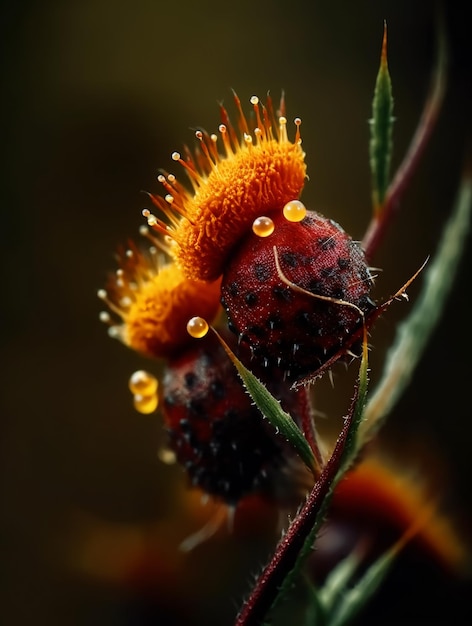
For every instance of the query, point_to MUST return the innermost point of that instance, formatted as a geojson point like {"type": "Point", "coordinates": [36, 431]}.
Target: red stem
{"type": "Point", "coordinates": [284, 559]}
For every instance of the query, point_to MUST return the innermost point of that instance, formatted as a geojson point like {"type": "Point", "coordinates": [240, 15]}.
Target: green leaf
{"type": "Point", "coordinates": [338, 580]}
{"type": "Point", "coordinates": [271, 409]}
{"type": "Point", "coordinates": [355, 599]}
{"type": "Point", "coordinates": [381, 125]}
{"type": "Point", "coordinates": [352, 600]}
{"type": "Point", "coordinates": [315, 614]}
{"type": "Point", "coordinates": [414, 334]}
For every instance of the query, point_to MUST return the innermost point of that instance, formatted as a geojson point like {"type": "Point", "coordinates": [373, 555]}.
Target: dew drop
{"type": "Point", "coordinates": [197, 327]}
{"type": "Point", "coordinates": [167, 456]}
{"type": "Point", "coordinates": [294, 211]}
{"type": "Point", "coordinates": [145, 404]}
{"type": "Point", "coordinates": [263, 226]}
{"type": "Point", "coordinates": [143, 383]}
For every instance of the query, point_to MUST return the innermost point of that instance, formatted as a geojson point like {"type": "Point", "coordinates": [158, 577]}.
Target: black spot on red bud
{"type": "Point", "coordinates": [282, 293]}
{"type": "Point", "coordinates": [261, 272]}
{"type": "Point", "coordinates": [290, 259]}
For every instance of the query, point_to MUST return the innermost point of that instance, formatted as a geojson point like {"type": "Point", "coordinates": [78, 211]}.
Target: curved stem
{"type": "Point", "coordinates": [304, 526]}
{"type": "Point", "coordinates": [297, 543]}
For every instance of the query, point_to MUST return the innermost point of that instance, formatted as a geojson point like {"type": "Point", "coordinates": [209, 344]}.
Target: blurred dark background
{"type": "Point", "coordinates": [96, 95]}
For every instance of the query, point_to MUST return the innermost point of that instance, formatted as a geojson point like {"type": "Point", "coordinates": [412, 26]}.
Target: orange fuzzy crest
{"type": "Point", "coordinates": [155, 302]}
{"type": "Point", "coordinates": [259, 173]}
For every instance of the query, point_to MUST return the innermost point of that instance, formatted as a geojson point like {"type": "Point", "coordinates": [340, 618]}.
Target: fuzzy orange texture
{"type": "Point", "coordinates": [255, 181]}
{"type": "Point", "coordinates": [156, 321]}
{"type": "Point", "coordinates": [380, 492]}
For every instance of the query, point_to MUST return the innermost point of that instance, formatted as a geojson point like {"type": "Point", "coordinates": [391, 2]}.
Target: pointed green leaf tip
{"type": "Point", "coordinates": [270, 408]}
{"type": "Point", "coordinates": [347, 600]}
{"type": "Point", "coordinates": [353, 598]}
{"type": "Point", "coordinates": [381, 125]}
